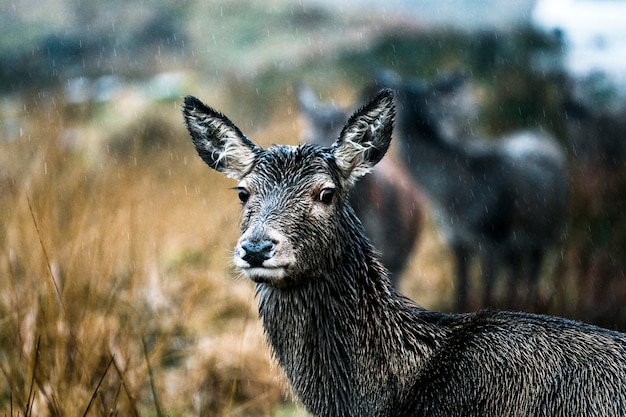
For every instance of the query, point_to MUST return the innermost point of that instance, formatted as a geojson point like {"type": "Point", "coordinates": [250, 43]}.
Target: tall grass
{"type": "Point", "coordinates": [116, 296]}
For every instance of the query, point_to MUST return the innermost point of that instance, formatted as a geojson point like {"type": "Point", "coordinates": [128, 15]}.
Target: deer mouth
{"type": "Point", "coordinates": [266, 275]}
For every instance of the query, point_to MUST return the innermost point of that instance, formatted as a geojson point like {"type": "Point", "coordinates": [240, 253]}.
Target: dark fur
{"type": "Point", "coordinates": [349, 344]}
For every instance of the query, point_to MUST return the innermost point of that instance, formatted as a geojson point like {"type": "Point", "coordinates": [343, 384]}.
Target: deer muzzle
{"type": "Point", "coordinates": [263, 257]}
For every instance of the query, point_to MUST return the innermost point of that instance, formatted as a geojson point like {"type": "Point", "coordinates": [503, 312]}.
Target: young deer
{"type": "Point", "coordinates": [349, 344]}
{"type": "Point", "coordinates": [386, 201]}
{"type": "Point", "coordinates": [503, 199]}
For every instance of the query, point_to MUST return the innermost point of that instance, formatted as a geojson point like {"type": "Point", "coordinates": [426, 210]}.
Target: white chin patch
{"type": "Point", "coordinates": [264, 274]}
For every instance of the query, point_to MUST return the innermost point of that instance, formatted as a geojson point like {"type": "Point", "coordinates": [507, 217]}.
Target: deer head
{"type": "Point", "coordinates": [293, 197]}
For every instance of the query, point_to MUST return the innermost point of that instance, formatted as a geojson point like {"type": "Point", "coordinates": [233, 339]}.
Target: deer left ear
{"type": "Point", "coordinates": [218, 141]}
{"type": "Point", "coordinates": [366, 136]}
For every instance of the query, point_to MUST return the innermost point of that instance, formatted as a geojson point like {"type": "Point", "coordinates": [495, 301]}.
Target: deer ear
{"type": "Point", "coordinates": [217, 140]}
{"type": "Point", "coordinates": [366, 137]}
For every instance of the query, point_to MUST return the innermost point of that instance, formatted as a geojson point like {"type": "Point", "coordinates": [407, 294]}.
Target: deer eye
{"type": "Point", "coordinates": [243, 194]}
{"type": "Point", "coordinates": [326, 195]}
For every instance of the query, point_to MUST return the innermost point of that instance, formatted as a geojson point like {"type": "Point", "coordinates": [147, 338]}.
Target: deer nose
{"type": "Point", "coordinates": [256, 252]}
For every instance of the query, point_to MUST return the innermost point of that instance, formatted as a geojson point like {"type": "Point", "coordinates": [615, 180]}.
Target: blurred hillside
{"type": "Point", "coordinates": [117, 292]}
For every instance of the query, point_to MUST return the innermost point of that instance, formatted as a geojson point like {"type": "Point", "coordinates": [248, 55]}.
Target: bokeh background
{"type": "Point", "coordinates": [117, 294]}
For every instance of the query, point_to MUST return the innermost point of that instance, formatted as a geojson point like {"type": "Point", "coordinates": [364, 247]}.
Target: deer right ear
{"type": "Point", "coordinates": [366, 137]}
{"type": "Point", "coordinates": [217, 140]}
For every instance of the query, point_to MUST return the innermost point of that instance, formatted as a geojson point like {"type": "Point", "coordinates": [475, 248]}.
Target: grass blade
{"type": "Point", "coordinates": [93, 397]}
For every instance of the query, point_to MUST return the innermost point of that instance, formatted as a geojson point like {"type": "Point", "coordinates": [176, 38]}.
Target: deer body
{"type": "Point", "coordinates": [349, 344]}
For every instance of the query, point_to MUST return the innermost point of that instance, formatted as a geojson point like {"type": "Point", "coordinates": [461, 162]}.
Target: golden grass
{"type": "Point", "coordinates": [117, 296]}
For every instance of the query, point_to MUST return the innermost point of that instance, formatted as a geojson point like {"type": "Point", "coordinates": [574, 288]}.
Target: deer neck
{"type": "Point", "coordinates": [329, 333]}
{"type": "Point", "coordinates": [438, 165]}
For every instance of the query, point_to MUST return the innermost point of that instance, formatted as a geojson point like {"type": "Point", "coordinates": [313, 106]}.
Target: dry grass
{"type": "Point", "coordinates": [117, 296]}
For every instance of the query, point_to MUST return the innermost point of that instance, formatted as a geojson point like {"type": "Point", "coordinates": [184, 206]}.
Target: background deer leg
{"type": "Point", "coordinates": [488, 270]}
{"type": "Point", "coordinates": [461, 255]}
{"type": "Point", "coordinates": [533, 298]}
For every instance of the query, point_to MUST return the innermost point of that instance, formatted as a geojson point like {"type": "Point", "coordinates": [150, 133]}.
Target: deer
{"type": "Point", "coordinates": [350, 344]}
{"type": "Point", "coordinates": [503, 200]}
{"type": "Point", "coordinates": [386, 201]}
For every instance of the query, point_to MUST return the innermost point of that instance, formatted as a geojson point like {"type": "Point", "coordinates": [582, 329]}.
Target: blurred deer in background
{"type": "Point", "coordinates": [387, 201]}
{"type": "Point", "coordinates": [503, 199]}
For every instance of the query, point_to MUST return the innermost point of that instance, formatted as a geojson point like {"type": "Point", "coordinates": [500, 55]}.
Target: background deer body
{"type": "Point", "coordinates": [504, 199]}
{"type": "Point", "coordinates": [386, 201]}
{"type": "Point", "coordinates": [348, 343]}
